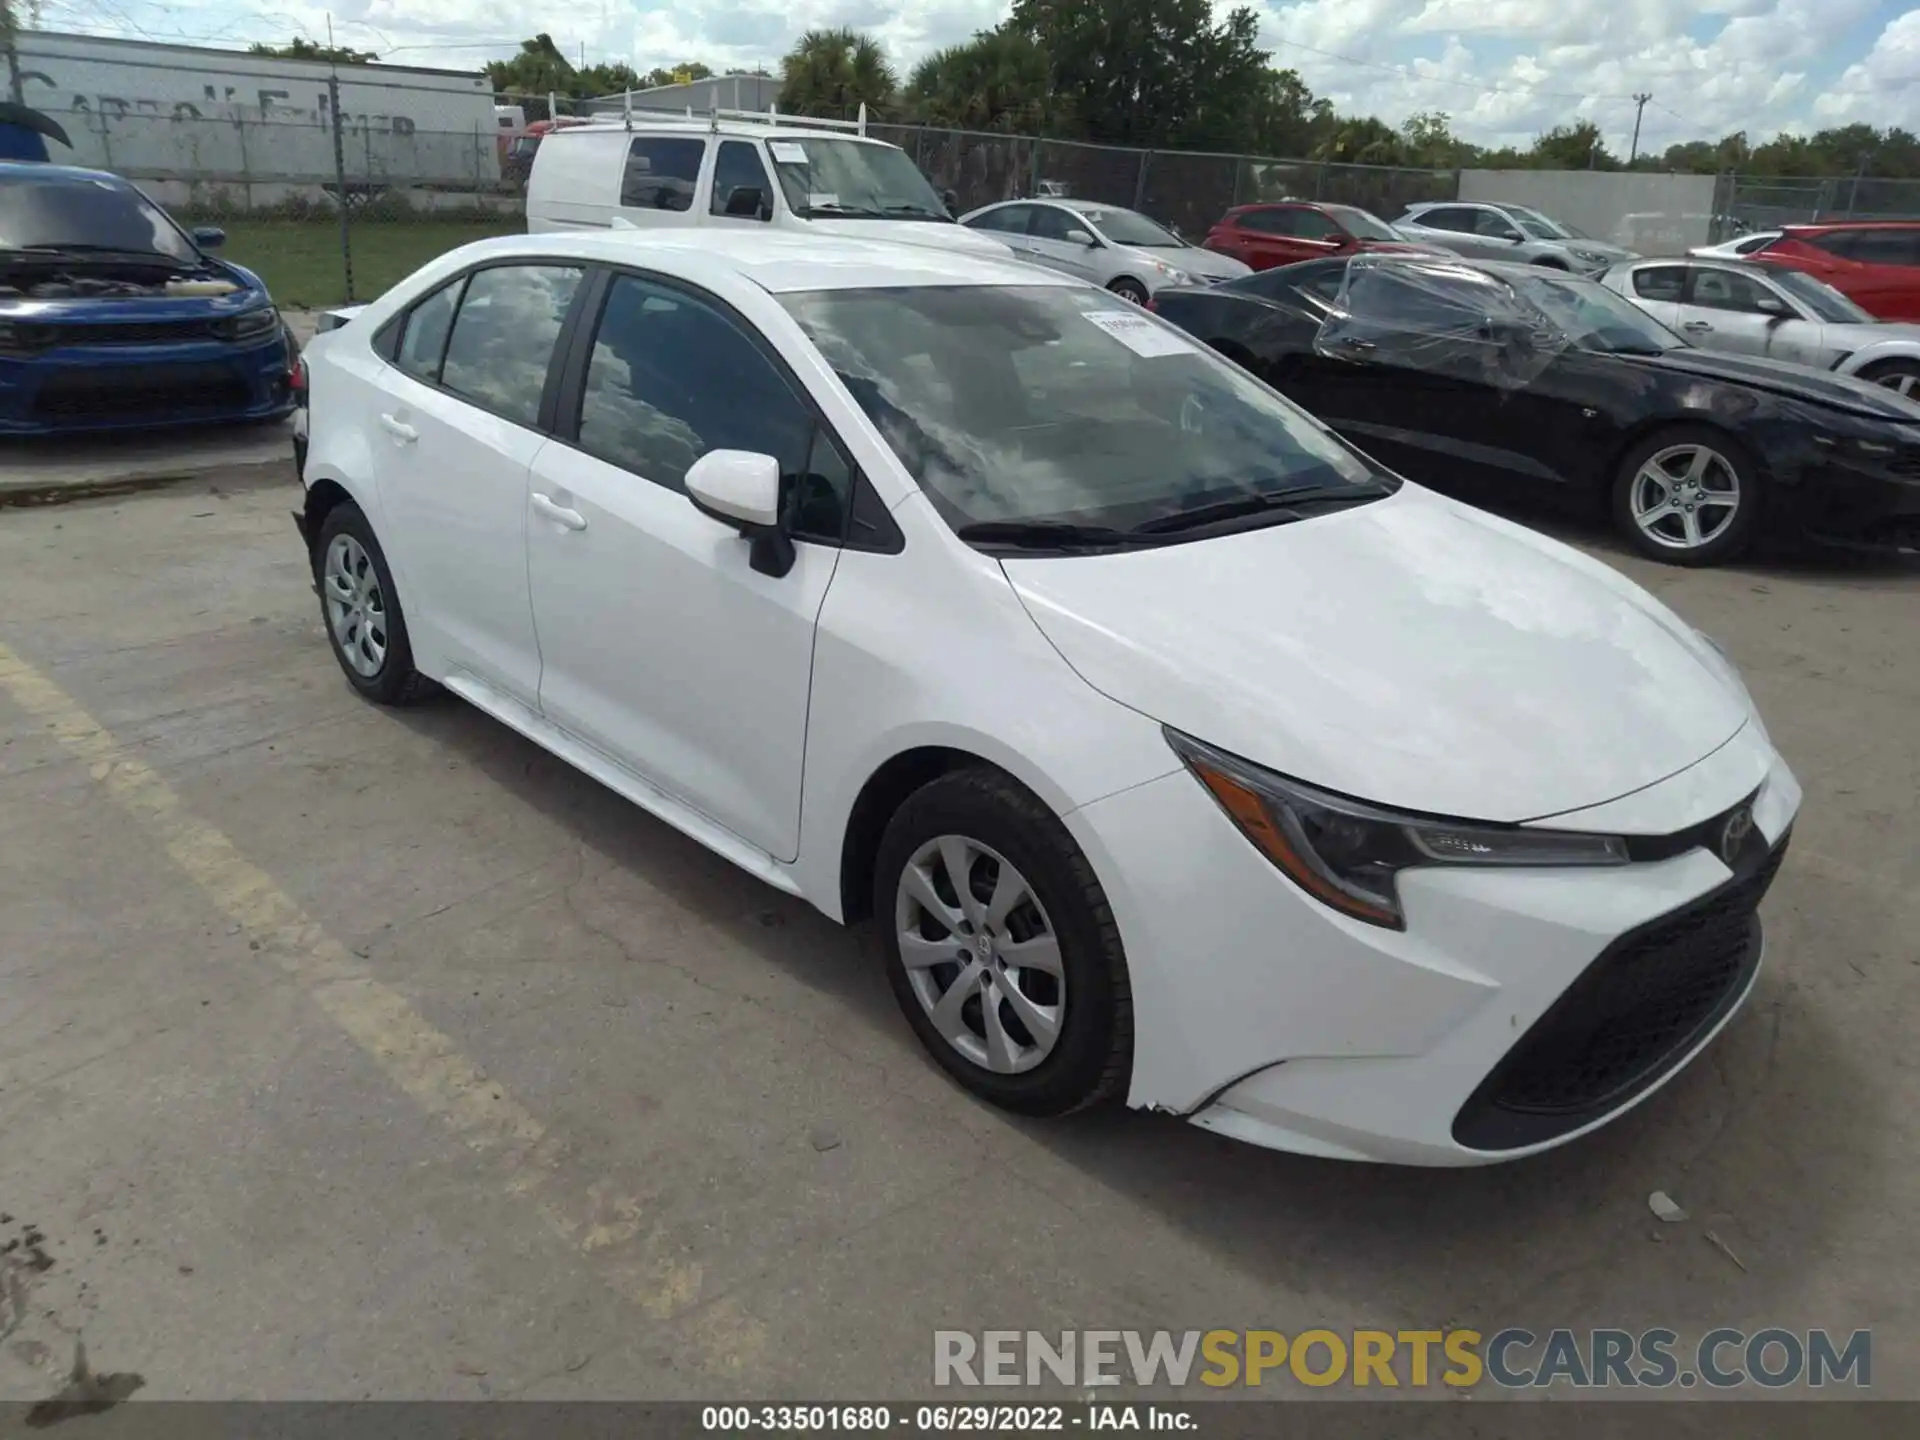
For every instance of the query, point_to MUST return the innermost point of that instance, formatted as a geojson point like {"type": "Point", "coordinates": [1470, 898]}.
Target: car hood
{"type": "Point", "coordinates": [1196, 261]}
{"type": "Point", "coordinates": [1783, 377]}
{"type": "Point", "coordinates": [1413, 651]}
{"type": "Point", "coordinates": [939, 234]}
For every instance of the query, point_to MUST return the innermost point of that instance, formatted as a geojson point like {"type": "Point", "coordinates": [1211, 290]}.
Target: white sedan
{"type": "Point", "coordinates": [1118, 249]}
{"type": "Point", "coordinates": [1181, 754]}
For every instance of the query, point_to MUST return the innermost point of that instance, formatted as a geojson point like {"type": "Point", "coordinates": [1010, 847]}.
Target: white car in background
{"type": "Point", "coordinates": [1118, 250]}
{"type": "Point", "coordinates": [1738, 246]}
{"type": "Point", "coordinates": [1769, 310]}
{"type": "Point", "coordinates": [1179, 752]}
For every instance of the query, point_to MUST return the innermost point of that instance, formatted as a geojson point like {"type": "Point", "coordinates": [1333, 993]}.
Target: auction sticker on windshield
{"type": "Point", "coordinates": [1140, 334]}
{"type": "Point", "coordinates": [788, 153]}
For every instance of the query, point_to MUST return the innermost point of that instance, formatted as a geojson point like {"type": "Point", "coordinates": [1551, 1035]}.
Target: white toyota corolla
{"type": "Point", "coordinates": [1180, 752]}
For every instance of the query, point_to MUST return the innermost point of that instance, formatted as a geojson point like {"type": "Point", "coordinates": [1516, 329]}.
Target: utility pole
{"type": "Point", "coordinates": [1639, 109]}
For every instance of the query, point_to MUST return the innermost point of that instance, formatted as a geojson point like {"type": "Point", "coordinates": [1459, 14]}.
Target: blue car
{"type": "Point", "coordinates": [114, 318]}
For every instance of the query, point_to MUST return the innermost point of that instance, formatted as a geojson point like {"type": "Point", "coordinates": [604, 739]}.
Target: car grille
{"type": "Point", "coordinates": [1906, 462]}
{"type": "Point", "coordinates": [1625, 1022]}
{"type": "Point", "coordinates": [35, 338]}
{"type": "Point", "coordinates": [109, 394]}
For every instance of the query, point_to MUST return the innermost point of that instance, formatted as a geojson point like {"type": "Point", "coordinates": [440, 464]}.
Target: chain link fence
{"type": "Point", "coordinates": [1766, 202]}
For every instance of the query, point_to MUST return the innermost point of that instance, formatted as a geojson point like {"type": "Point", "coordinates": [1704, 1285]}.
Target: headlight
{"type": "Point", "coordinates": [248, 325]}
{"type": "Point", "coordinates": [1346, 853]}
{"type": "Point", "coordinates": [1592, 257]}
{"type": "Point", "coordinates": [1177, 276]}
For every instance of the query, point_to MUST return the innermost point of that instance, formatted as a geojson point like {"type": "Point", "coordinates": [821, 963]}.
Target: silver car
{"type": "Point", "coordinates": [1120, 249]}
{"type": "Point", "coordinates": [1487, 231]}
{"type": "Point", "coordinates": [1739, 245]}
{"type": "Point", "coordinates": [1769, 310]}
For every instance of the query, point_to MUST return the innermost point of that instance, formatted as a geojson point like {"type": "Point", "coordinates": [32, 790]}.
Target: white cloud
{"type": "Point", "coordinates": [1885, 84]}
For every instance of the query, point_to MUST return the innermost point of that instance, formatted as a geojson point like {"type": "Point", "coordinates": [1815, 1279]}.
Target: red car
{"type": "Point", "coordinates": [1285, 232]}
{"type": "Point", "coordinates": [1875, 264]}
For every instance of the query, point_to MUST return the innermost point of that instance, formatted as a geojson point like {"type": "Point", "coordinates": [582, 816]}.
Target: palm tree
{"type": "Point", "coordinates": [833, 72]}
{"type": "Point", "coordinates": [1000, 80]}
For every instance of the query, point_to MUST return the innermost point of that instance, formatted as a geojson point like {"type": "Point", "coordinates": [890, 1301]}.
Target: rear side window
{"type": "Point", "coordinates": [423, 340]}
{"type": "Point", "coordinates": [1660, 282]}
{"type": "Point", "coordinates": [738, 167]}
{"type": "Point", "coordinates": [1011, 220]}
{"type": "Point", "coordinates": [661, 172]}
{"type": "Point", "coordinates": [503, 337]}
{"type": "Point", "coordinates": [1446, 219]}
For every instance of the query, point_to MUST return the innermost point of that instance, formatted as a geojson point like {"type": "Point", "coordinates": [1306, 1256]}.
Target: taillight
{"type": "Point", "coordinates": [1153, 302]}
{"type": "Point", "coordinates": [297, 382]}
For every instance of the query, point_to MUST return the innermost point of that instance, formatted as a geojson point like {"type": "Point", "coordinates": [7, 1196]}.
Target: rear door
{"type": "Point", "coordinates": [1722, 310]}
{"type": "Point", "coordinates": [1886, 280]}
{"type": "Point", "coordinates": [659, 178]}
{"type": "Point", "coordinates": [459, 419]}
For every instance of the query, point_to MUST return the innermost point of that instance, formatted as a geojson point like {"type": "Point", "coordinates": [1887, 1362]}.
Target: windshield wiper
{"type": "Point", "coordinates": [919, 212]}
{"type": "Point", "coordinates": [865, 211]}
{"type": "Point", "coordinates": [1282, 504]}
{"type": "Point", "coordinates": [1046, 534]}
{"type": "Point", "coordinates": [88, 252]}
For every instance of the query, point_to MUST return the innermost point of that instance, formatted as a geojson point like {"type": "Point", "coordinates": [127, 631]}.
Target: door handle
{"type": "Point", "coordinates": [399, 429]}
{"type": "Point", "coordinates": [559, 514]}
{"type": "Point", "coordinates": [1696, 326]}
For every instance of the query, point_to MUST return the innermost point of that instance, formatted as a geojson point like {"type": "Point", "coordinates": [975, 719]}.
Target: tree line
{"type": "Point", "coordinates": [1163, 75]}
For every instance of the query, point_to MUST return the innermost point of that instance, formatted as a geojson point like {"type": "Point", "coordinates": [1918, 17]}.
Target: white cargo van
{"type": "Point", "coordinates": [738, 168]}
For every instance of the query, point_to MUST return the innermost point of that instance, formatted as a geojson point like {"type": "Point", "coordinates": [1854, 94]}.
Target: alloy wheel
{"type": "Point", "coordinates": [356, 608]}
{"type": "Point", "coordinates": [1685, 496]}
{"type": "Point", "coordinates": [980, 954]}
{"type": "Point", "coordinates": [1901, 382]}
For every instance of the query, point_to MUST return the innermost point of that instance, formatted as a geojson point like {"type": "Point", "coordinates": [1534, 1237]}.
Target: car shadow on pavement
{"type": "Point", "coordinates": [1769, 1139]}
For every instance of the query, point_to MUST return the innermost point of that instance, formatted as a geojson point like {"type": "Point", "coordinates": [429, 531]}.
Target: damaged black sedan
{"type": "Point", "coordinates": [1469, 375]}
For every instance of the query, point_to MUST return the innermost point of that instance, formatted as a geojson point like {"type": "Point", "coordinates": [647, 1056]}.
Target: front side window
{"type": "Point", "coordinates": [1055, 403]}
{"type": "Point", "coordinates": [737, 167]}
{"type": "Point", "coordinates": [503, 337]}
{"type": "Point", "coordinates": [1050, 222]}
{"type": "Point", "coordinates": [671, 378]}
{"type": "Point", "coordinates": [1496, 226]}
{"type": "Point", "coordinates": [861, 179]}
{"type": "Point", "coordinates": [1312, 225]}
{"type": "Point", "coordinates": [661, 172]}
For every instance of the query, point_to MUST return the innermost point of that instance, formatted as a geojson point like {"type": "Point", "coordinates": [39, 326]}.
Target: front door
{"type": "Point", "coordinates": [661, 645]}
{"type": "Point", "coordinates": [454, 433]}
{"type": "Point", "coordinates": [1048, 245]}
{"type": "Point", "coordinates": [1722, 311]}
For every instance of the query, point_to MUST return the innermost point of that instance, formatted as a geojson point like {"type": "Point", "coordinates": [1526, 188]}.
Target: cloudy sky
{"type": "Point", "coordinates": [1504, 69]}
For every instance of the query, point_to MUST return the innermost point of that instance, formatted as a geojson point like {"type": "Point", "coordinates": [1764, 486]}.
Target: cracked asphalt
{"type": "Point", "coordinates": [347, 1052]}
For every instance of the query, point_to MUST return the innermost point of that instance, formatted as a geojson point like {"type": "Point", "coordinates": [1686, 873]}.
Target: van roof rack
{"type": "Point", "coordinates": [715, 114]}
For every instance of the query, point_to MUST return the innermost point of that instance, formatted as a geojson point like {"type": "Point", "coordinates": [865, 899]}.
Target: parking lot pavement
{"type": "Point", "coordinates": [347, 1052]}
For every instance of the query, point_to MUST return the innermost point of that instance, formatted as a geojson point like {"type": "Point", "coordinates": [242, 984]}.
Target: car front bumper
{"type": "Point", "coordinates": [85, 388]}
{"type": "Point", "coordinates": [1838, 500]}
{"type": "Point", "coordinates": [1518, 1010]}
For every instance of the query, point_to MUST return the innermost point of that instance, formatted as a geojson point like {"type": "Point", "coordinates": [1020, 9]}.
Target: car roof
{"type": "Point", "coordinates": [1088, 206]}
{"type": "Point", "coordinates": [780, 261]}
{"type": "Point", "coordinates": [59, 172]}
{"type": "Point", "coordinates": [1827, 226]}
{"type": "Point", "coordinates": [650, 122]}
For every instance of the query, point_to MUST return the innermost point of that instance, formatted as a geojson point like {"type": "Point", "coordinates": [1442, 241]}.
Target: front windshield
{"type": "Point", "coordinates": [1363, 224]}
{"type": "Point", "coordinates": [82, 213]}
{"type": "Point", "coordinates": [830, 177]}
{"type": "Point", "coordinates": [1064, 404]}
{"type": "Point", "coordinates": [1129, 227]}
{"type": "Point", "coordinates": [1595, 318]}
{"type": "Point", "coordinates": [1822, 299]}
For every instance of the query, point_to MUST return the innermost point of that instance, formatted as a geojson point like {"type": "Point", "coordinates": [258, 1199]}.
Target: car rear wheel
{"type": "Point", "coordinates": [1687, 495]}
{"type": "Point", "coordinates": [1000, 946]}
{"type": "Point", "coordinates": [1899, 375]}
{"type": "Point", "coordinates": [362, 610]}
{"type": "Point", "coordinates": [1128, 289]}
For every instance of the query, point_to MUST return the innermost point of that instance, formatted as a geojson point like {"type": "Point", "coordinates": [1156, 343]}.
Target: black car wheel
{"type": "Point", "coordinates": [362, 610]}
{"type": "Point", "coordinates": [1687, 495]}
{"type": "Point", "coordinates": [1128, 289]}
{"type": "Point", "coordinates": [1001, 948]}
{"type": "Point", "coordinates": [1900, 375]}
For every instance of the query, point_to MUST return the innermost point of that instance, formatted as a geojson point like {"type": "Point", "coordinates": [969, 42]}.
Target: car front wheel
{"type": "Point", "coordinates": [1902, 376]}
{"type": "Point", "coordinates": [1687, 495]}
{"type": "Point", "coordinates": [362, 610]}
{"type": "Point", "coordinates": [1128, 289]}
{"type": "Point", "coordinates": [1000, 946]}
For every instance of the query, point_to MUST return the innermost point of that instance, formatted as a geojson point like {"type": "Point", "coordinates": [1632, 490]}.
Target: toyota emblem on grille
{"type": "Point", "coordinates": [1733, 835]}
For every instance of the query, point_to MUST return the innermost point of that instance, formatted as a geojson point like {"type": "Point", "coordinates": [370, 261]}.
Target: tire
{"type": "Point", "coordinates": [361, 610]}
{"type": "Point", "coordinates": [1129, 289]}
{"type": "Point", "coordinates": [998, 829]}
{"type": "Point", "coordinates": [1706, 534]}
{"type": "Point", "coordinates": [1900, 375]}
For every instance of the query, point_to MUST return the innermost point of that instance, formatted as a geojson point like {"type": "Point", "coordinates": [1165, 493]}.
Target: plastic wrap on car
{"type": "Point", "coordinates": [1440, 317]}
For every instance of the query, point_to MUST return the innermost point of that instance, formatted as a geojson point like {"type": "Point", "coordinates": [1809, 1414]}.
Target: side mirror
{"type": "Point", "coordinates": [742, 489]}
{"type": "Point", "coordinates": [1774, 306]}
{"type": "Point", "coordinates": [209, 237]}
{"type": "Point", "coordinates": [745, 202]}
{"type": "Point", "coordinates": [951, 200]}
{"type": "Point", "coordinates": [1081, 237]}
